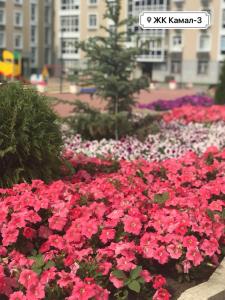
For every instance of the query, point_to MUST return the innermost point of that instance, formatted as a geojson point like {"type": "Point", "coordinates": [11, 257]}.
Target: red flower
{"type": "Point", "coordinates": [161, 294]}
{"type": "Point", "coordinates": [158, 281]}
{"type": "Point", "coordinates": [29, 233]}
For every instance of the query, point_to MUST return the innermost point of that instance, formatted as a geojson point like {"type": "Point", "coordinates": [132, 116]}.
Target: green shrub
{"type": "Point", "coordinates": [220, 91]}
{"type": "Point", "coordinates": [30, 138]}
{"type": "Point", "coordinates": [91, 124]}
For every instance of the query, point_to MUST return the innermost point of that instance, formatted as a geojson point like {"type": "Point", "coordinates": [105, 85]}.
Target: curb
{"type": "Point", "coordinates": [213, 289]}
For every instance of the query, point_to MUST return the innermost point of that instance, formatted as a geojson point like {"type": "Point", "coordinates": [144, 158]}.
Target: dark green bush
{"type": "Point", "coordinates": [220, 90]}
{"type": "Point", "coordinates": [91, 124]}
{"type": "Point", "coordinates": [30, 138]}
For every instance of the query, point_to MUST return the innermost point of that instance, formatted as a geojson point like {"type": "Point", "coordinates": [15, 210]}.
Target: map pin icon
{"type": "Point", "coordinates": [149, 19]}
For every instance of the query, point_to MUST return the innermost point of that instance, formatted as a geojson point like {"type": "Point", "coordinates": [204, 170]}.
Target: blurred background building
{"type": "Point", "coordinates": [185, 55]}
{"type": "Point", "coordinates": [27, 26]}
{"type": "Point", "coordinates": [46, 32]}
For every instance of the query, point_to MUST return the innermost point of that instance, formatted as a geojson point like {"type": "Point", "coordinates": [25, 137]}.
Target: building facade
{"type": "Point", "coordinates": [75, 21]}
{"type": "Point", "coordinates": [27, 26]}
{"type": "Point", "coordinates": [186, 55]}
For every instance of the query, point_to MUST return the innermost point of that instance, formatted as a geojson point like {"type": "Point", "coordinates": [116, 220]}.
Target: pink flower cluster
{"type": "Point", "coordinates": [199, 114]}
{"type": "Point", "coordinates": [90, 239]}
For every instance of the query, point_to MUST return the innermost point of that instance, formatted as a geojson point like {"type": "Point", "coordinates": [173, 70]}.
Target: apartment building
{"type": "Point", "coordinates": [27, 26]}
{"type": "Point", "coordinates": [193, 56]}
{"type": "Point", "coordinates": [188, 55]}
{"type": "Point", "coordinates": [76, 20]}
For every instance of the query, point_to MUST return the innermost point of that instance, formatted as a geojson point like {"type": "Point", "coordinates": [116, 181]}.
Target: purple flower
{"type": "Point", "coordinates": [162, 105]}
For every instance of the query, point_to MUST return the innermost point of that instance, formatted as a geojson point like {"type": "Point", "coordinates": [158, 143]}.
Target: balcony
{"type": "Point", "coordinates": [156, 55]}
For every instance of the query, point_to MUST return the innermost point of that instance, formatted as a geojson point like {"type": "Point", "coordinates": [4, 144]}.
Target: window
{"type": "Point", "coordinates": [18, 41]}
{"type": "Point", "coordinates": [2, 17]}
{"type": "Point", "coordinates": [176, 66]}
{"type": "Point", "coordinates": [69, 46]}
{"type": "Point", "coordinates": [70, 23]}
{"type": "Point", "coordinates": [92, 21]}
{"type": "Point", "coordinates": [20, 2]}
{"type": "Point", "coordinates": [33, 11]}
{"type": "Point", "coordinates": [18, 19]}
{"type": "Point", "coordinates": [177, 40]}
{"type": "Point", "coordinates": [33, 56]}
{"type": "Point", "coordinates": [222, 47]}
{"type": "Point", "coordinates": [203, 66]}
{"type": "Point", "coordinates": [47, 14]}
{"type": "Point", "coordinates": [2, 39]}
{"type": "Point", "coordinates": [47, 56]}
{"type": "Point", "coordinates": [204, 42]}
{"type": "Point", "coordinates": [93, 2]}
{"type": "Point", "coordinates": [70, 4]}
{"type": "Point", "coordinates": [47, 36]}
{"type": "Point", "coordinates": [223, 19]}
{"type": "Point", "coordinates": [33, 34]}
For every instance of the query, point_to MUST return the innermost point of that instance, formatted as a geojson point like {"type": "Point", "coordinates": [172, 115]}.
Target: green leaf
{"type": "Point", "coordinates": [223, 214]}
{"type": "Point", "coordinates": [210, 214]}
{"type": "Point", "coordinates": [135, 273]}
{"type": "Point", "coordinates": [39, 261]}
{"type": "Point", "coordinates": [141, 280]}
{"type": "Point", "coordinates": [37, 270]}
{"type": "Point", "coordinates": [135, 286]}
{"type": "Point", "coordinates": [161, 198]}
{"type": "Point", "coordinates": [119, 274]}
{"type": "Point", "coordinates": [223, 250]}
{"type": "Point", "coordinates": [49, 264]}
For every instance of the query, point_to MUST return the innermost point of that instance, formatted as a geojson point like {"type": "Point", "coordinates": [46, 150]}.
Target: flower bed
{"type": "Point", "coordinates": [106, 237]}
{"type": "Point", "coordinates": [173, 140]}
{"type": "Point", "coordinates": [199, 114]}
{"type": "Point", "coordinates": [162, 105]}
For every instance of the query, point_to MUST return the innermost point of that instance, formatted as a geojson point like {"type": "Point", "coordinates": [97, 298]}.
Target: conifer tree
{"type": "Point", "coordinates": [110, 63]}
{"type": "Point", "coordinates": [220, 92]}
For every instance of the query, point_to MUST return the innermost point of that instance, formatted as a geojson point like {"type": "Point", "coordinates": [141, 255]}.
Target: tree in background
{"type": "Point", "coordinates": [110, 63]}
{"type": "Point", "coordinates": [220, 91]}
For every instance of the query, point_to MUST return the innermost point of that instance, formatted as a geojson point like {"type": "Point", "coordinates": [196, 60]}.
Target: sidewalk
{"type": "Point", "coordinates": [144, 97]}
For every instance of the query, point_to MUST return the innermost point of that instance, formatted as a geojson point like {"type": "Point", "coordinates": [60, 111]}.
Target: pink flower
{"type": "Point", "coordinates": [125, 264]}
{"type": "Point", "coordinates": [194, 256]}
{"type": "Point", "coordinates": [209, 246]}
{"type": "Point", "coordinates": [132, 225]}
{"type": "Point", "coordinates": [9, 235]}
{"type": "Point", "coordinates": [44, 232]}
{"type": "Point", "coordinates": [57, 222]}
{"type": "Point", "coordinates": [146, 275]}
{"type": "Point", "coordinates": [116, 282]}
{"type": "Point", "coordinates": [56, 241]}
{"type": "Point", "coordinates": [28, 277]}
{"type": "Point", "coordinates": [105, 267]}
{"type": "Point", "coordinates": [161, 294]}
{"type": "Point", "coordinates": [66, 279]}
{"type": "Point", "coordinates": [190, 242]}
{"type": "Point", "coordinates": [107, 235]}
{"type": "Point", "coordinates": [17, 296]}
{"type": "Point", "coordinates": [217, 205]}
{"type": "Point", "coordinates": [174, 250]}
{"type": "Point", "coordinates": [161, 255]}
{"type": "Point", "coordinates": [48, 275]}
{"type": "Point", "coordinates": [36, 291]}
{"type": "Point", "coordinates": [158, 281]}
{"type": "Point", "coordinates": [83, 291]}
{"type": "Point", "coordinates": [90, 228]}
